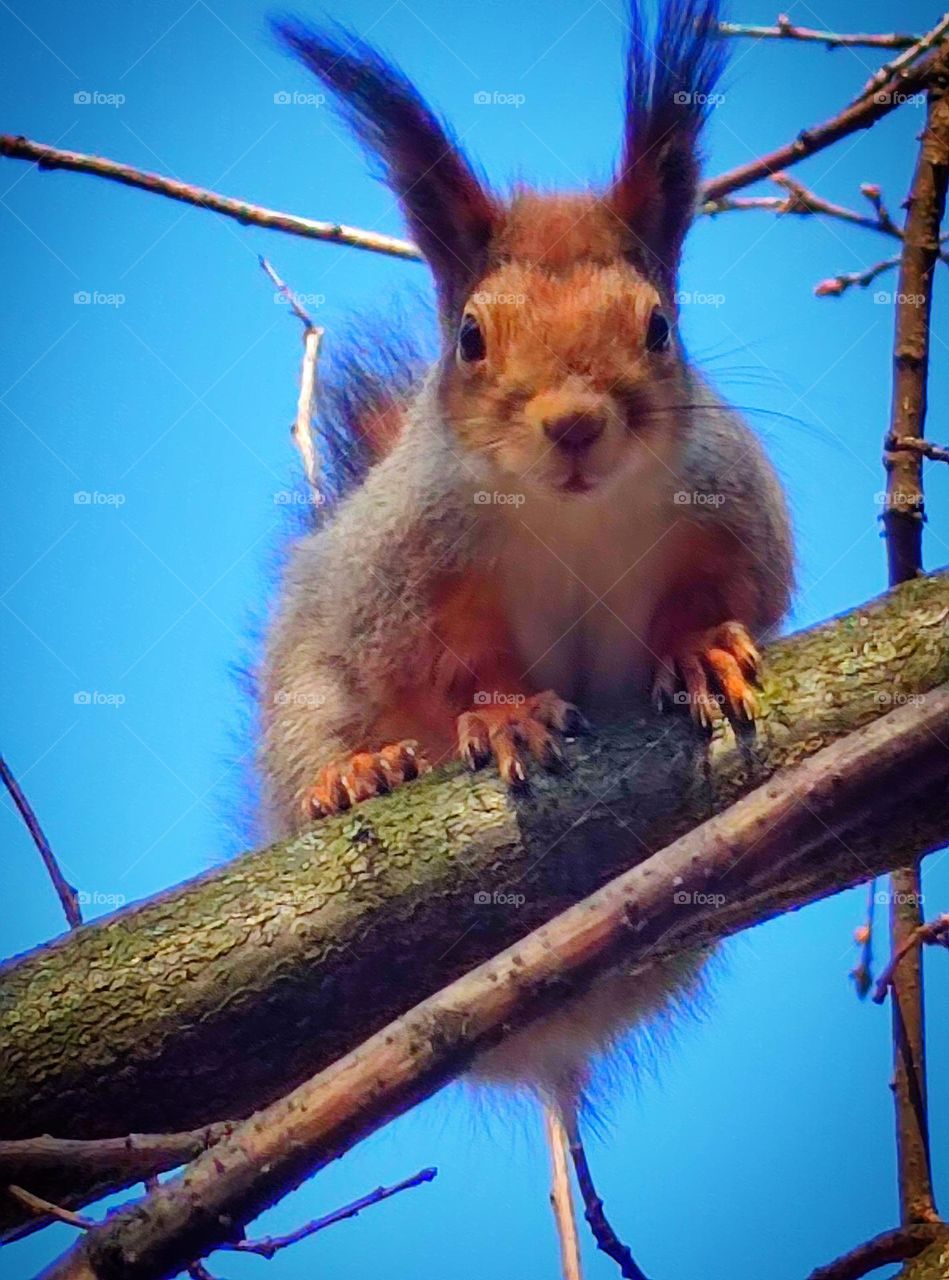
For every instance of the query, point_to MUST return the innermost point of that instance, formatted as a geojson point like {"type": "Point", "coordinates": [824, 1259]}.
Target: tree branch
{"type": "Point", "coordinates": [64, 890]}
{"type": "Point", "coordinates": [243, 969]}
{"type": "Point", "coordinates": [825, 821]}
{"type": "Point", "coordinates": [785, 29]}
{"type": "Point", "coordinates": [889, 1246]}
{"type": "Point", "coordinates": [20, 148]}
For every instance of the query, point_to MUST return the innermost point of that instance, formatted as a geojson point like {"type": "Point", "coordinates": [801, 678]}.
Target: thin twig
{"type": "Point", "coordinates": [19, 148]}
{"type": "Point", "coordinates": [925, 448]}
{"type": "Point", "coordinates": [862, 112]}
{"type": "Point", "coordinates": [784, 29]}
{"type": "Point", "coordinates": [909, 55]}
{"type": "Point", "coordinates": [889, 1246]}
{"type": "Point", "coordinates": [933, 932]}
{"type": "Point", "coordinates": [802, 201]}
{"type": "Point", "coordinates": [64, 890]}
{"type": "Point", "coordinates": [561, 1195]}
{"type": "Point", "coordinates": [302, 429]}
{"type": "Point", "coordinates": [267, 1246]}
{"type": "Point", "coordinates": [862, 973]}
{"type": "Point", "coordinates": [607, 1240]}
{"type": "Point", "coordinates": [46, 1208]}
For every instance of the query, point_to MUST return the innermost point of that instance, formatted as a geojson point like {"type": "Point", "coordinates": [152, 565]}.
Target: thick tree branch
{"type": "Point", "coordinates": [890, 1246]}
{"type": "Point", "coordinates": [827, 820]}
{"type": "Point", "coordinates": [219, 995]}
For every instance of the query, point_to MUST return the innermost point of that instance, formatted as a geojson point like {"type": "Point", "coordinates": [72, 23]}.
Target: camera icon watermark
{"type": "Point", "coordinates": [95, 98]}
{"type": "Point", "coordinates": [93, 698]}
{"type": "Point", "coordinates": [697, 898]}
{"type": "Point", "coordinates": [496, 698]}
{"type": "Point", "coordinates": [495, 98]}
{"type": "Point", "coordinates": [93, 298]}
{"type": "Point", "coordinates": [498, 498]}
{"type": "Point", "coordinates": [498, 898]}
{"type": "Point", "coordinates": [286, 98]}
{"type": "Point", "coordinates": [697, 498]}
{"type": "Point", "coordinates": [684, 98]}
{"type": "Point", "coordinates": [93, 498]}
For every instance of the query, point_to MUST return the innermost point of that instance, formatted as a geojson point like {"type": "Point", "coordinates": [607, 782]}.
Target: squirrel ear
{"type": "Point", "coordinates": [669, 92]}
{"type": "Point", "coordinates": [449, 212]}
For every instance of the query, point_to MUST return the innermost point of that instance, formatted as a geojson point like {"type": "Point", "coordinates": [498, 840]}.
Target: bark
{"type": "Point", "coordinates": [213, 999]}
{"type": "Point", "coordinates": [825, 821]}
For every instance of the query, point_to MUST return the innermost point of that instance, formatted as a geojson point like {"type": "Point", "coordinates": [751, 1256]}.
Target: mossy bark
{"type": "Point", "coordinates": [217, 996]}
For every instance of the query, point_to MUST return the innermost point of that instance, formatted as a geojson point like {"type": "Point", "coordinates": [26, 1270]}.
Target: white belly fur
{"type": "Point", "coordinates": [580, 583]}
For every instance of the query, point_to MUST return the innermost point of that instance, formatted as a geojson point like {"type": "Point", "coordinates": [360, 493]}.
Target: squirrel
{"type": "Point", "coordinates": [561, 520]}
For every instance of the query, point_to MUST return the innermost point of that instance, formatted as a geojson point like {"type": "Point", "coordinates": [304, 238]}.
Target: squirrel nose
{"type": "Point", "coordinates": [574, 432]}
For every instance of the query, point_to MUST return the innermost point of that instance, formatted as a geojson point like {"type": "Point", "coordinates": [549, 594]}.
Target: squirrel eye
{"type": "Point", "coordinates": [659, 331]}
{"type": "Point", "coordinates": [470, 340]}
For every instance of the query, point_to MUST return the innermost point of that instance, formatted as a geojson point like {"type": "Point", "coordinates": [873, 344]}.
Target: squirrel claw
{"type": "Point", "coordinates": [512, 733]}
{"type": "Point", "coordinates": [717, 668]}
{"type": "Point", "coordinates": [344, 783]}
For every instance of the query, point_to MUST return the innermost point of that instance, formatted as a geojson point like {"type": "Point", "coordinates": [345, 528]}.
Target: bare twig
{"type": "Point", "coordinates": [777, 834]}
{"type": "Point", "coordinates": [19, 148]}
{"type": "Point", "coordinates": [864, 111]}
{"type": "Point", "coordinates": [881, 79]}
{"type": "Point", "coordinates": [45, 1208]}
{"type": "Point", "coordinates": [903, 518]}
{"type": "Point", "coordinates": [64, 890]}
{"type": "Point", "coordinates": [932, 932]}
{"type": "Point", "coordinates": [73, 1171]}
{"type": "Point", "coordinates": [890, 1246]}
{"type": "Point", "coordinates": [269, 1245]}
{"type": "Point", "coordinates": [561, 1196]}
{"type": "Point", "coordinates": [834, 286]}
{"type": "Point", "coordinates": [607, 1241]}
{"type": "Point", "coordinates": [800, 200]}
{"type": "Point", "coordinates": [785, 29]}
{"type": "Point", "coordinates": [925, 448]}
{"type": "Point", "coordinates": [302, 429]}
{"type": "Point", "coordinates": [862, 973]}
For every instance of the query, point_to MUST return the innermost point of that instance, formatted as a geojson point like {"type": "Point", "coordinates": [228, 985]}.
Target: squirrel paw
{"type": "Point", "coordinates": [510, 732]}
{"type": "Point", "coordinates": [717, 669]}
{"type": "Point", "coordinates": [345, 782]}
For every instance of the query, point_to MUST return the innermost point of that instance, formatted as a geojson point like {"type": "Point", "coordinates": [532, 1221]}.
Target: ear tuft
{"type": "Point", "coordinates": [670, 84]}
{"type": "Point", "coordinates": [449, 211]}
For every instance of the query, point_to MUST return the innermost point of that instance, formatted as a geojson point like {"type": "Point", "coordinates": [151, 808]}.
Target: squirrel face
{"type": "Point", "coordinates": [565, 371]}
{"type": "Point", "coordinates": [559, 364]}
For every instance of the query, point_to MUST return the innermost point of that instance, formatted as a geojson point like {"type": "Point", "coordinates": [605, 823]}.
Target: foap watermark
{"type": "Point", "coordinates": [489, 299]}
{"type": "Point", "coordinates": [495, 98]}
{"type": "Point", "coordinates": [283, 698]}
{"type": "Point", "coordinates": [96, 98]}
{"type": "Point", "coordinates": [94, 498]}
{"type": "Point", "coordinates": [96, 898]}
{"type": "Point", "coordinates": [94, 298]}
{"type": "Point", "coordinates": [697, 898]}
{"type": "Point", "coordinates": [886, 298]}
{"type": "Point", "coordinates": [884, 96]}
{"type": "Point", "coordinates": [494, 698]}
{"type": "Point", "coordinates": [95, 698]}
{"type": "Point", "coordinates": [499, 498]}
{"type": "Point", "coordinates": [697, 498]}
{"type": "Point", "coordinates": [301, 299]}
{"type": "Point", "coordinates": [898, 699]}
{"type": "Point", "coordinates": [896, 500]}
{"type": "Point", "coordinates": [295, 498]}
{"type": "Point", "coordinates": [695, 298]}
{"type": "Point", "coordinates": [286, 98]}
{"type": "Point", "coordinates": [886, 898]}
{"type": "Point", "coordinates": [685, 98]}
{"type": "Point", "coordinates": [498, 898]}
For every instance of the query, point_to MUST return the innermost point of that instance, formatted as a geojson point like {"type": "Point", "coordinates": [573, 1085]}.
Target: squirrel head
{"type": "Point", "coordinates": [561, 364]}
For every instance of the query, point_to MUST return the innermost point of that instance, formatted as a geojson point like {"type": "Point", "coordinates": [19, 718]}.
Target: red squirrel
{"type": "Point", "coordinates": [563, 519]}
{"type": "Point", "coordinates": [560, 520]}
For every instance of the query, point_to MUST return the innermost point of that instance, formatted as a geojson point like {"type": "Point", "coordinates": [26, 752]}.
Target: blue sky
{"type": "Point", "coordinates": [764, 1140]}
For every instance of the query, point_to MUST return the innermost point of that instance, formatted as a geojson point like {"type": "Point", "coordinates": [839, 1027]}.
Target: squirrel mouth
{"type": "Point", "coordinates": [575, 483]}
